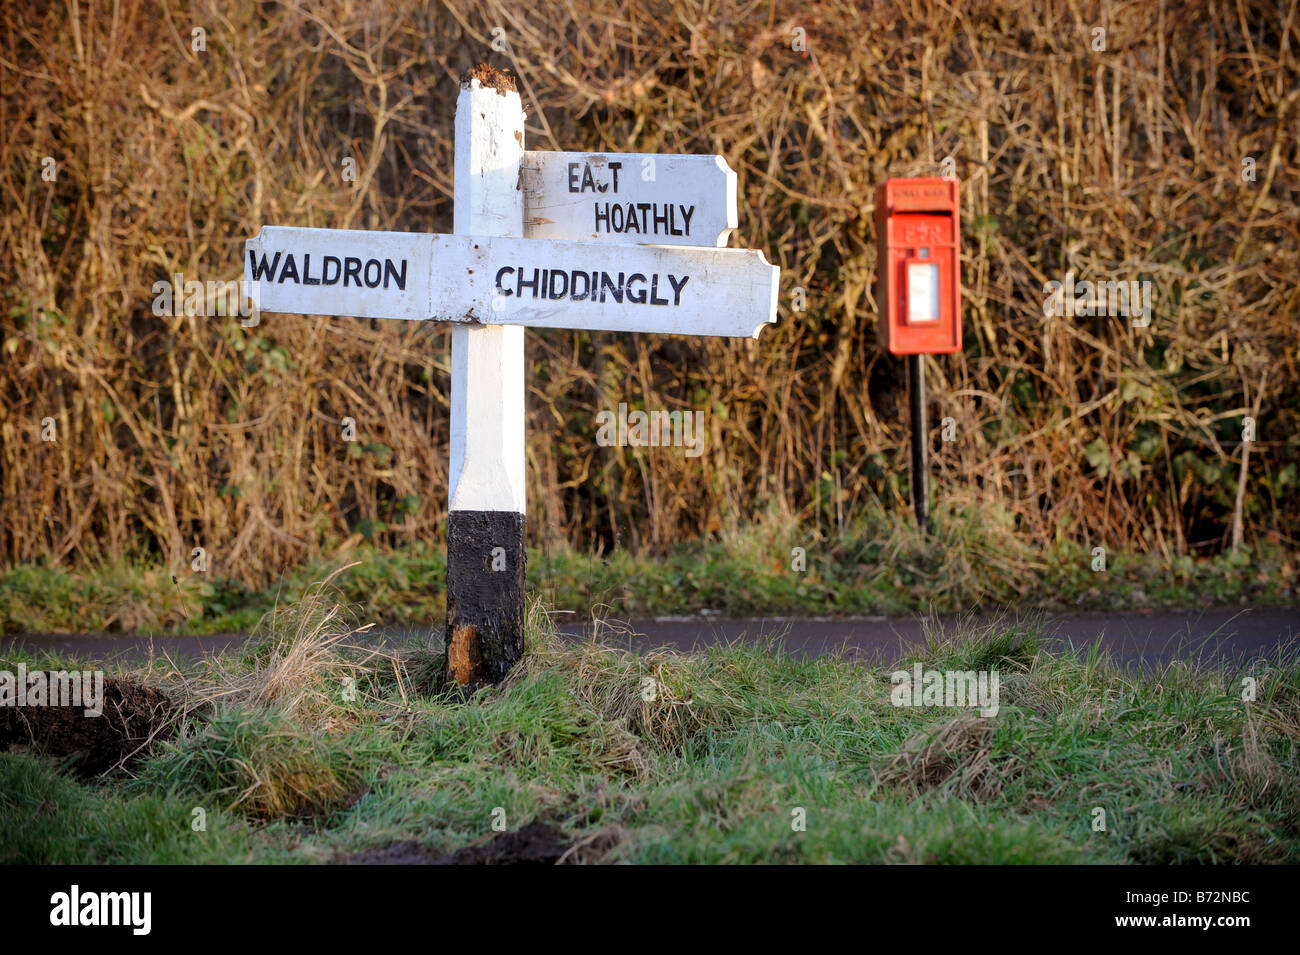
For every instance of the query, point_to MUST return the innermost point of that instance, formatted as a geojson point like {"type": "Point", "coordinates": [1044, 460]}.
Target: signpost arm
{"type": "Point", "coordinates": [486, 493]}
{"type": "Point", "coordinates": [920, 449]}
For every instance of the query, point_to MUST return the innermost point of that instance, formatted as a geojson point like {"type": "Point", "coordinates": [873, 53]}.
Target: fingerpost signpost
{"type": "Point", "coordinates": [602, 242]}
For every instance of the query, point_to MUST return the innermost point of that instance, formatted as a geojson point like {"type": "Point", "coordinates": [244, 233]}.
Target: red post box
{"type": "Point", "coordinates": [918, 268]}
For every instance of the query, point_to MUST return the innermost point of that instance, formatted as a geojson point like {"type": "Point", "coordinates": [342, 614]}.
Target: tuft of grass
{"type": "Point", "coordinates": [260, 763]}
{"type": "Point", "coordinates": [662, 697]}
{"type": "Point", "coordinates": [955, 756]}
{"type": "Point", "coordinates": [970, 644]}
{"type": "Point", "coordinates": [302, 660]}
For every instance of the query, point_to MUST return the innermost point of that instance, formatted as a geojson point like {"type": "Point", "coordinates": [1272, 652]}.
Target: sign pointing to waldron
{"type": "Point", "coordinates": [511, 281]}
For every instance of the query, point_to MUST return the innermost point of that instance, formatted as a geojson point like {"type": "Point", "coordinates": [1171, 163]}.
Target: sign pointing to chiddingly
{"type": "Point", "coordinates": [492, 280]}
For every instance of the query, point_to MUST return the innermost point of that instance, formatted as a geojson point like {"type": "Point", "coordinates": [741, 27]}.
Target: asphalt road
{"type": "Point", "coordinates": [1148, 638]}
{"type": "Point", "coordinates": [1130, 637]}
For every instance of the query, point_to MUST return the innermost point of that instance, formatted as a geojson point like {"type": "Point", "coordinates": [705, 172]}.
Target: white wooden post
{"type": "Point", "coordinates": [487, 507]}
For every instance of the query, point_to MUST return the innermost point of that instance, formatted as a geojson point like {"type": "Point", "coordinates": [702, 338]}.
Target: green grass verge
{"type": "Point", "coordinates": [707, 757]}
{"type": "Point", "coordinates": [970, 562]}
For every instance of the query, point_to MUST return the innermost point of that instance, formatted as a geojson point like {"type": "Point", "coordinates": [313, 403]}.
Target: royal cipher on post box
{"type": "Point", "coordinates": [919, 266]}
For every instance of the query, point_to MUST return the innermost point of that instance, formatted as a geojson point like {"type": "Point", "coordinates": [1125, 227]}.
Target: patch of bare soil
{"type": "Point", "coordinates": [537, 843]}
{"type": "Point", "coordinates": [134, 717]}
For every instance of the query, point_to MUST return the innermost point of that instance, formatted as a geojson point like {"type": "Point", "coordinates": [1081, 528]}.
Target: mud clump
{"type": "Point", "coordinates": [134, 718]}
{"type": "Point", "coordinates": [537, 843]}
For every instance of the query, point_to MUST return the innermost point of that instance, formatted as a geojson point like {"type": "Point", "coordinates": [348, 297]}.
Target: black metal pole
{"type": "Point", "coordinates": [920, 468]}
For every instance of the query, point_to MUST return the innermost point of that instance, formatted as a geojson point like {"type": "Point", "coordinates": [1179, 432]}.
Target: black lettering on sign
{"type": "Point", "coordinates": [263, 271]}
{"type": "Point", "coordinates": [607, 286]}
{"type": "Point", "coordinates": [643, 218]}
{"type": "Point", "coordinates": [586, 287]}
{"type": "Point", "coordinates": [576, 285]}
{"type": "Point", "coordinates": [654, 293]}
{"type": "Point", "coordinates": [687, 212]}
{"type": "Point", "coordinates": [588, 181]}
{"type": "Point", "coordinates": [563, 290]}
{"type": "Point", "coordinates": [391, 272]}
{"type": "Point", "coordinates": [639, 297]}
{"type": "Point", "coordinates": [501, 274]}
{"type": "Point", "coordinates": [677, 287]}
{"type": "Point", "coordinates": [350, 270]}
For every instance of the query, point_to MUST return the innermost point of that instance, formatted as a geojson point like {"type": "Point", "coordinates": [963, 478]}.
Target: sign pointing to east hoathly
{"type": "Point", "coordinates": [510, 281]}
{"type": "Point", "coordinates": [632, 198]}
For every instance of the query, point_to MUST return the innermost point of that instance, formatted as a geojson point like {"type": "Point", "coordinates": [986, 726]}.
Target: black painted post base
{"type": "Point", "coordinates": [920, 443]}
{"type": "Point", "coordinates": [485, 598]}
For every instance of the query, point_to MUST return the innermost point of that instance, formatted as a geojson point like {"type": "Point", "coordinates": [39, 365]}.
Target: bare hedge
{"type": "Point", "coordinates": [1161, 150]}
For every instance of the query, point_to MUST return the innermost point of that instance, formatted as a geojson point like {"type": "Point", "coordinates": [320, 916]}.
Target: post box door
{"type": "Point", "coordinates": [922, 285]}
